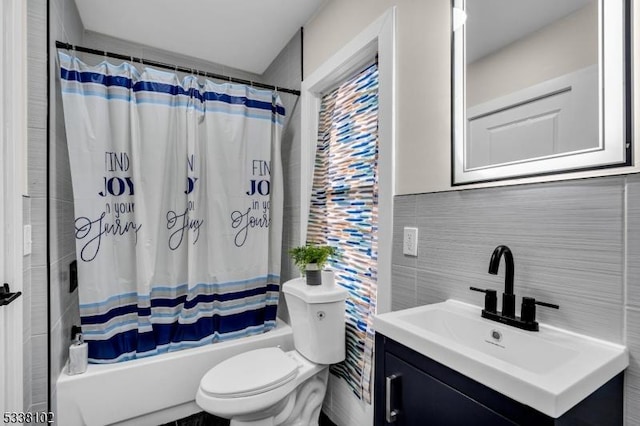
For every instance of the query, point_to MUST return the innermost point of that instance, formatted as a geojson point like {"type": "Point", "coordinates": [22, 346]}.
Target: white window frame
{"type": "Point", "coordinates": [378, 38]}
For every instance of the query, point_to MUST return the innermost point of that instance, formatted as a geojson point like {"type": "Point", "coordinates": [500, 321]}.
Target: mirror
{"type": "Point", "coordinates": [539, 87]}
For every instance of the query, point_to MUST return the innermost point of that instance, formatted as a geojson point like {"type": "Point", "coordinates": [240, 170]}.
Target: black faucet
{"type": "Point", "coordinates": [527, 320]}
{"type": "Point", "coordinates": [508, 297]}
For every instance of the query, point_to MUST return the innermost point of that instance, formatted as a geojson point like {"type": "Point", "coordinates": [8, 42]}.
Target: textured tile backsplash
{"type": "Point", "coordinates": [35, 306]}
{"type": "Point", "coordinates": [575, 243]}
{"type": "Point", "coordinates": [633, 242]}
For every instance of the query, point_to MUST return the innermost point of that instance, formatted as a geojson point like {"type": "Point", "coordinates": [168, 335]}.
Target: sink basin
{"type": "Point", "coordinates": [550, 370]}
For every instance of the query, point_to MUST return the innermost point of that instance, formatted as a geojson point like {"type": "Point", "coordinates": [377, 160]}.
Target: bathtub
{"type": "Point", "coordinates": [150, 391]}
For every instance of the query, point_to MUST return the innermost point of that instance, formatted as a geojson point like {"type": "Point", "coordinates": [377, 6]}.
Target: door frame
{"type": "Point", "coordinates": [13, 144]}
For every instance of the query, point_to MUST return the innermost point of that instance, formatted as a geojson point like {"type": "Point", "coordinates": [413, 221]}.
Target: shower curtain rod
{"type": "Point", "coordinates": [67, 46]}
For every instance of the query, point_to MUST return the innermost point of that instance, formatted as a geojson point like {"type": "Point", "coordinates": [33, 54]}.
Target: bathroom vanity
{"type": "Point", "coordinates": [444, 366]}
{"type": "Point", "coordinates": [423, 390]}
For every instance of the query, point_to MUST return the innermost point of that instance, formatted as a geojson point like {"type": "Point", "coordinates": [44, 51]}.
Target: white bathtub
{"type": "Point", "coordinates": [150, 391]}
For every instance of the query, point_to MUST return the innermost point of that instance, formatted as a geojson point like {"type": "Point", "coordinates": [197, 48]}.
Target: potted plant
{"type": "Point", "coordinates": [310, 259]}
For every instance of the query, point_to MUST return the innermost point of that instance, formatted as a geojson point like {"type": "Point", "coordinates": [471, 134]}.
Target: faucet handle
{"type": "Point", "coordinates": [528, 312]}
{"type": "Point", "coordinates": [547, 305]}
{"type": "Point", "coordinates": [490, 299]}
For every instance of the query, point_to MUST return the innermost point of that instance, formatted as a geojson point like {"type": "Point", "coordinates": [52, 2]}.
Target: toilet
{"type": "Point", "coordinates": [271, 387]}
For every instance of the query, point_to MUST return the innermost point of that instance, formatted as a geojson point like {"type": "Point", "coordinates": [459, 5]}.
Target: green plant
{"type": "Point", "coordinates": [309, 254]}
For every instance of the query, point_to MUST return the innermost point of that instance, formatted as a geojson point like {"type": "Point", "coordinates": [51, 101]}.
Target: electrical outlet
{"type": "Point", "coordinates": [410, 241]}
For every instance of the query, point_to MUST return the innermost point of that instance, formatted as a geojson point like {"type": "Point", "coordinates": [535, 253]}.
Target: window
{"type": "Point", "coordinates": [344, 211]}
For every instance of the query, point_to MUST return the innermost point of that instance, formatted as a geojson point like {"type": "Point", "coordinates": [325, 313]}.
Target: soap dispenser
{"type": "Point", "coordinates": [78, 355]}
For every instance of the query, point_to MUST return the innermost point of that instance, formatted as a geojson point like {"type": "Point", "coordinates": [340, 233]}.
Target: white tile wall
{"type": "Point", "coordinates": [39, 301]}
{"type": "Point", "coordinates": [37, 159]}
{"type": "Point", "coordinates": [61, 231]}
{"type": "Point", "coordinates": [59, 282]}
{"type": "Point", "coordinates": [38, 227]}
{"type": "Point", "coordinates": [633, 241]}
{"type": "Point", "coordinates": [284, 71]}
{"type": "Point", "coordinates": [36, 73]}
{"type": "Point", "coordinates": [26, 302]}
{"type": "Point", "coordinates": [65, 25]}
{"type": "Point", "coordinates": [39, 390]}
{"type": "Point", "coordinates": [26, 318]}
{"type": "Point", "coordinates": [26, 374]}
{"type": "Point", "coordinates": [404, 287]}
{"type": "Point", "coordinates": [568, 241]}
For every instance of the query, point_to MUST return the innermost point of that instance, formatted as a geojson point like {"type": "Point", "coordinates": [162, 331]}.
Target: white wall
{"type": "Point", "coordinates": [423, 134]}
{"type": "Point", "coordinates": [565, 45]}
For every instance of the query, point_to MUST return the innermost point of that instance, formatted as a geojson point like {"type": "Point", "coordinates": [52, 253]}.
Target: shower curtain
{"type": "Point", "coordinates": [178, 207]}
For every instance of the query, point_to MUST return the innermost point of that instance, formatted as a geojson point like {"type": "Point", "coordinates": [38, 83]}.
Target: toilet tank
{"type": "Point", "coordinates": [317, 318]}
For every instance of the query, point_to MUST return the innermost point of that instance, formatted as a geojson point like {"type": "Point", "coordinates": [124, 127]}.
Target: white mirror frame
{"type": "Point", "coordinates": [614, 85]}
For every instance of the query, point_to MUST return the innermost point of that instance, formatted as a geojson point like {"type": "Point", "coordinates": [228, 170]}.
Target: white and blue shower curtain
{"type": "Point", "coordinates": [178, 203]}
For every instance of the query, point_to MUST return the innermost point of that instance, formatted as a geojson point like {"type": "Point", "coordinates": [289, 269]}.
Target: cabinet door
{"type": "Point", "coordinates": [422, 400]}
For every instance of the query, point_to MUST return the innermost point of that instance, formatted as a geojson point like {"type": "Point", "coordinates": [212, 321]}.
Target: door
{"type": "Point", "coordinates": [419, 399]}
{"type": "Point", "coordinates": [13, 133]}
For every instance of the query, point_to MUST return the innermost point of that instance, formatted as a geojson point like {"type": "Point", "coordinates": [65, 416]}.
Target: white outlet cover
{"type": "Point", "coordinates": [410, 241]}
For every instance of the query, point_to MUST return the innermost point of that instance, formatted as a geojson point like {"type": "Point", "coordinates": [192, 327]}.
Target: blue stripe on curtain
{"type": "Point", "coordinates": [180, 301]}
{"type": "Point", "coordinates": [164, 338]}
{"type": "Point", "coordinates": [155, 87]}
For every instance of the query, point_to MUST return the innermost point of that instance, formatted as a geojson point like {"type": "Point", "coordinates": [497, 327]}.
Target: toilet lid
{"type": "Point", "coordinates": [249, 373]}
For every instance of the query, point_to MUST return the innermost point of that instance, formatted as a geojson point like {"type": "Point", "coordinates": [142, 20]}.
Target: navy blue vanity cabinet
{"type": "Point", "coordinates": [425, 392]}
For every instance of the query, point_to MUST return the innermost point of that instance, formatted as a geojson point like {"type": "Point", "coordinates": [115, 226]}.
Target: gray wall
{"type": "Point", "coordinates": [284, 71]}
{"type": "Point", "coordinates": [575, 243]}
{"type": "Point", "coordinates": [36, 265]}
{"type": "Point", "coordinates": [65, 25]}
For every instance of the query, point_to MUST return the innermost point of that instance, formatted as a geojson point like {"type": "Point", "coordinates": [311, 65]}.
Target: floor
{"type": "Point", "coordinates": [206, 419]}
{"type": "Point", "coordinates": [199, 419]}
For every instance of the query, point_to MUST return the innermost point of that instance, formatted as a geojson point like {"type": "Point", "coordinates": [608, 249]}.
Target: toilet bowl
{"type": "Point", "coordinates": [264, 386]}
{"type": "Point", "coordinates": [271, 387]}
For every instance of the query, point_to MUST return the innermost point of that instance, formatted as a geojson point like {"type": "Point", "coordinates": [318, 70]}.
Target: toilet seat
{"type": "Point", "coordinates": [250, 373]}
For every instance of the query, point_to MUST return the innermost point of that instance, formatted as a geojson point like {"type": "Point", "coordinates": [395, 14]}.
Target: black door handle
{"type": "Point", "coordinates": [6, 296]}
